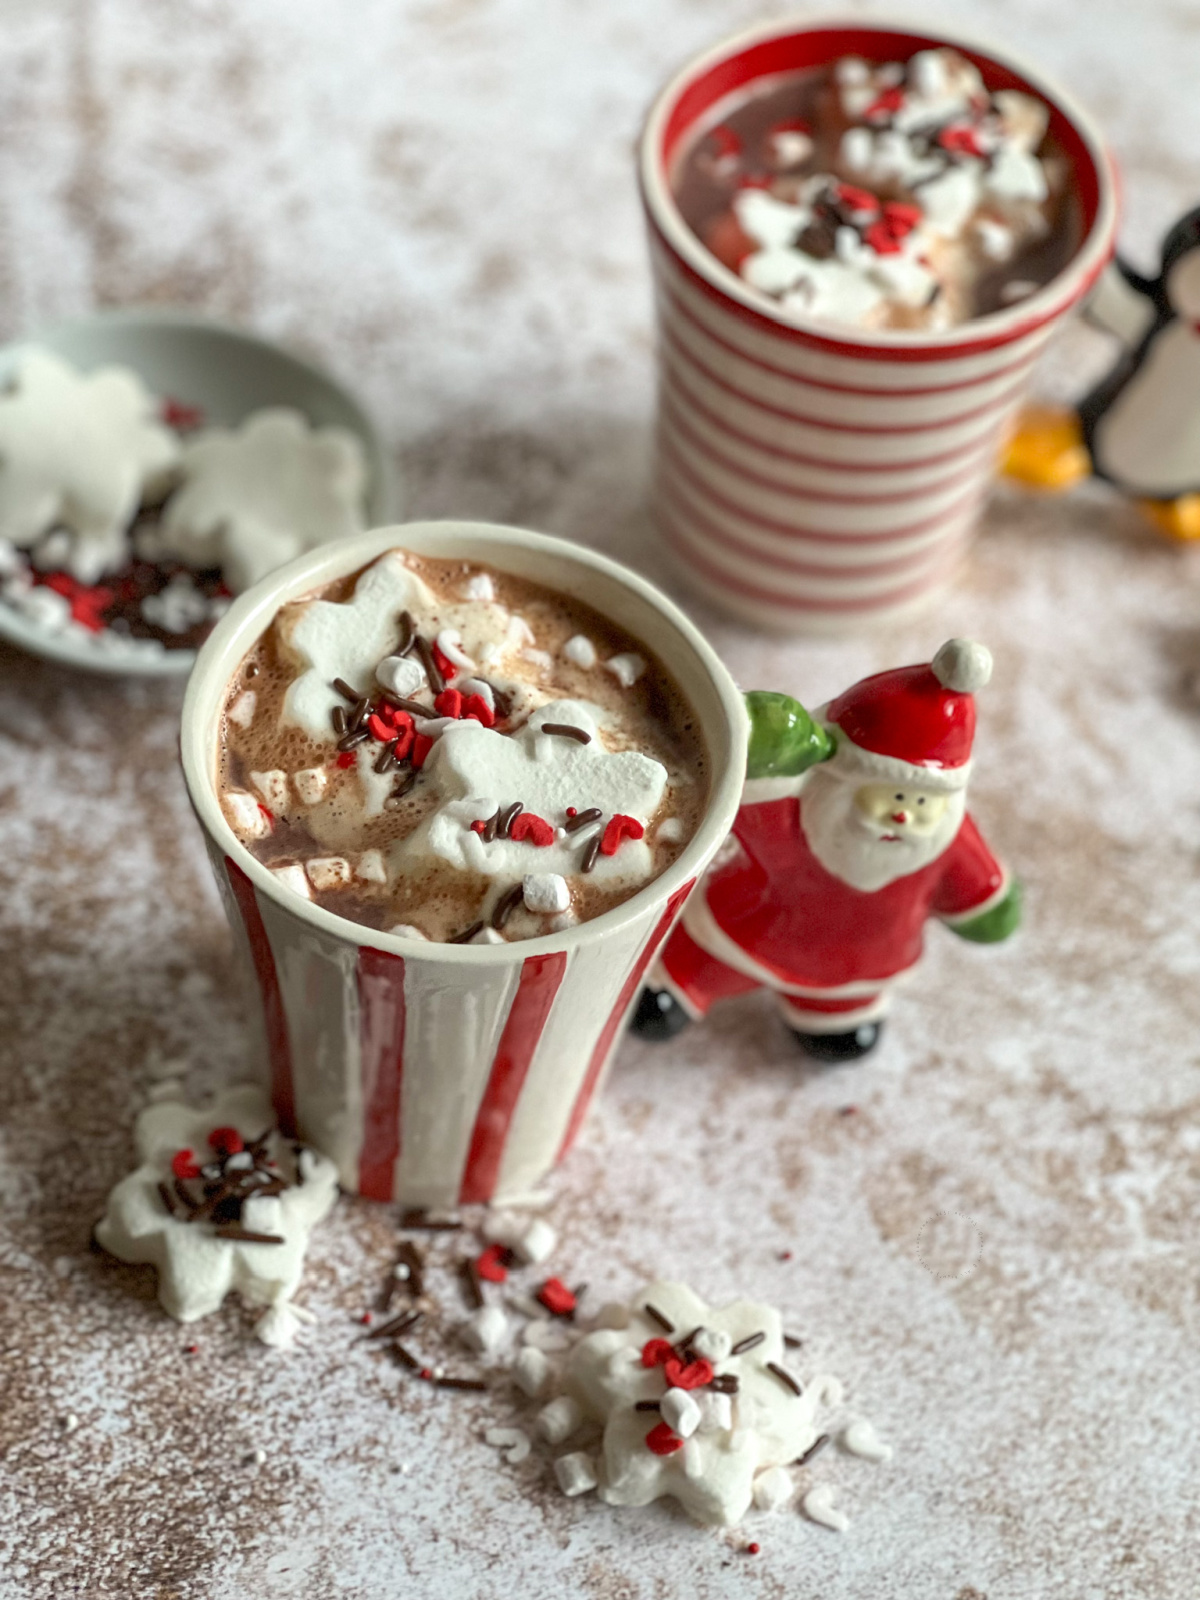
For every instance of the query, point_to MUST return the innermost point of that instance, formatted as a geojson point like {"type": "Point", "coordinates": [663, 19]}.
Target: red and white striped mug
{"type": "Point", "coordinates": [810, 477]}
{"type": "Point", "coordinates": [435, 1074]}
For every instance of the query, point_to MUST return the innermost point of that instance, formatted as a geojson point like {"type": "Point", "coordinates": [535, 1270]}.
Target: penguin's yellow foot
{"type": "Point", "coordinates": [1046, 449]}
{"type": "Point", "coordinates": [1178, 519]}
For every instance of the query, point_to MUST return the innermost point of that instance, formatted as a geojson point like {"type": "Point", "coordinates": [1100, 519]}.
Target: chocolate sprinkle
{"type": "Point", "coordinates": [359, 715]}
{"type": "Point", "coordinates": [430, 1222]}
{"type": "Point", "coordinates": [339, 720]}
{"type": "Point", "coordinates": [408, 634]}
{"type": "Point", "coordinates": [507, 904]}
{"type": "Point", "coordinates": [395, 1325]}
{"type": "Point", "coordinates": [405, 1357]}
{"type": "Point", "coordinates": [470, 1281]}
{"type": "Point", "coordinates": [815, 1448]}
{"type": "Point", "coordinates": [432, 671]}
{"type": "Point", "coordinates": [346, 692]}
{"type": "Point", "coordinates": [413, 707]}
{"type": "Point", "coordinates": [590, 851]}
{"type": "Point", "coordinates": [387, 756]}
{"type": "Point", "coordinates": [791, 1341]}
{"type": "Point", "coordinates": [656, 1315]}
{"type": "Point", "coordinates": [726, 1383]}
{"type": "Point", "coordinates": [404, 785]}
{"type": "Point", "coordinates": [231, 1230]}
{"type": "Point", "coordinates": [490, 826]}
{"type": "Point", "coordinates": [785, 1377]}
{"type": "Point", "coordinates": [467, 934]}
{"type": "Point", "coordinates": [167, 1199]}
{"type": "Point", "coordinates": [470, 1385]}
{"type": "Point", "coordinates": [582, 819]}
{"type": "Point", "coordinates": [648, 1405]}
{"type": "Point", "coordinates": [353, 738]}
{"type": "Point", "coordinates": [507, 817]}
{"type": "Point", "coordinates": [748, 1343]}
{"type": "Point", "coordinates": [566, 730]}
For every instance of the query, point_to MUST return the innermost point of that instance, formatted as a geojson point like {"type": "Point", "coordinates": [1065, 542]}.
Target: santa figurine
{"type": "Point", "coordinates": [853, 831]}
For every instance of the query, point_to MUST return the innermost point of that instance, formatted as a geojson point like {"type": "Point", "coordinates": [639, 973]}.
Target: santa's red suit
{"type": "Point", "coordinates": [772, 913]}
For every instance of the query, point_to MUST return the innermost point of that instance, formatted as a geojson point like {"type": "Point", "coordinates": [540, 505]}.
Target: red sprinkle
{"type": "Point", "coordinates": [881, 239]}
{"type": "Point", "coordinates": [618, 828]}
{"type": "Point", "coordinates": [226, 1141]}
{"type": "Point", "coordinates": [901, 217]}
{"type": "Point", "coordinates": [346, 759]}
{"type": "Point", "coordinates": [477, 707]}
{"type": "Point", "coordinates": [656, 1351]}
{"type": "Point", "coordinates": [449, 703]}
{"type": "Point", "coordinates": [556, 1297]}
{"type": "Point", "coordinates": [724, 143]}
{"type": "Point", "coordinates": [480, 826]}
{"type": "Point", "coordinates": [426, 1372]}
{"type": "Point", "coordinates": [185, 1165]}
{"type": "Point", "coordinates": [885, 104]}
{"type": "Point", "coordinates": [857, 199]}
{"type": "Point", "coordinates": [421, 746]}
{"type": "Point", "coordinates": [190, 1349]}
{"type": "Point", "coordinates": [533, 829]}
{"type": "Point", "coordinates": [490, 1265]}
{"type": "Point", "coordinates": [87, 604]}
{"type": "Point", "coordinates": [379, 729]}
{"type": "Point", "coordinates": [690, 1375]}
{"type": "Point", "coordinates": [444, 665]}
{"type": "Point", "coordinates": [662, 1441]}
{"type": "Point", "coordinates": [270, 815]}
{"type": "Point", "coordinates": [754, 181]}
{"type": "Point", "coordinates": [793, 125]}
{"type": "Point", "coordinates": [753, 1549]}
{"type": "Point", "coordinates": [572, 811]}
{"type": "Point", "coordinates": [960, 140]}
{"type": "Point", "coordinates": [785, 1255]}
{"type": "Point", "coordinates": [176, 415]}
{"type": "Point", "coordinates": [366, 1319]}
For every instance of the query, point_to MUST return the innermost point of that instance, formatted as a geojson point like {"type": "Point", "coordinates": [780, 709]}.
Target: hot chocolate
{"type": "Point", "coordinates": [441, 750]}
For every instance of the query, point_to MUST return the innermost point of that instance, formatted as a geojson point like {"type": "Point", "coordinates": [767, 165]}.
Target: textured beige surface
{"type": "Point", "coordinates": [998, 1251]}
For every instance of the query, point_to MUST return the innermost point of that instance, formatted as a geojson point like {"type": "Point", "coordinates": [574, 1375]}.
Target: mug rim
{"type": "Point", "coordinates": [1053, 299]}
{"type": "Point", "coordinates": [252, 612]}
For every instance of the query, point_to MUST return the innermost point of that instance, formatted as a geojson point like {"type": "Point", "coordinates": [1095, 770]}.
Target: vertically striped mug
{"type": "Point", "coordinates": [816, 477]}
{"type": "Point", "coordinates": [435, 1074]}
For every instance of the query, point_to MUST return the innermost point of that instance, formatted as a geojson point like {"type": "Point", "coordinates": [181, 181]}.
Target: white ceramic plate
{"type": "Point", "coordinates": [228, 373]}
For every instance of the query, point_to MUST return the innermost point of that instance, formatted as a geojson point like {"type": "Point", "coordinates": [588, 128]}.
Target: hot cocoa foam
{"type": "Point", "coordinates": [511, 686]}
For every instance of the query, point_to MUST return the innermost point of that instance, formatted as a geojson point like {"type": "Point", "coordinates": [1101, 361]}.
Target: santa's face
{"type": "Point", "coordinates": [870, 834]}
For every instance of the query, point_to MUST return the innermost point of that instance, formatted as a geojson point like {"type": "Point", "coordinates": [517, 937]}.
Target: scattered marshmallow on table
{"type": "Point", "coordinates": [576, 1473]}
{"type": "Point", "coordinates": [546, 893]}
{"type": "Point", "coordinates": [558, 1420]}
{"type": "Point", "coordinates": [485, 1330]}
{"type": "Point", "coordinates": [531, 1372]}
{"type": "Point", "coordinates": [773, 1488]}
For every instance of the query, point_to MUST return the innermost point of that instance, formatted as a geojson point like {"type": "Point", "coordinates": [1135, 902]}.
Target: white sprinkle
{"type": "Point", "coordinates": [401, 1271]}
{"type": "Point", "coordinates": [851, 69]}
{"type": "Point", "coordinates": [519, 631]}
{"type": "Point", "coordinates": [293, 877]}
{"type": "Point", "coordinates": [537, 658]}
{"type": "Point", "coordinates": [819, 1507]}
{"type": "Point", "coordinates": [773, 1488]}
{"type": "Point", "coordinates": [626, 669]}
{"type": "Point", "coordinates": [328, 872]}
{"type": "Point", "coordinates": [273, 786]}
{"type": "Point", "coordinates": [176, 608]}
{"type": "Point", "coordinates": [546, 892]}
{"type": "Point", "coordinates": [245, 814]}
{"type": "Point", "coordinates": [680, 1412]}
{"type": "Point", "coordinates": [485, 1330]}
{"type": "Point", "coordinates": [479, 587]}
{"type": "Point", "coordinates": [712, 1344]}
{"type": "Point", "coordinates": [240, 1161]}
{"type": "Point", "coordinates": [69, 1423]}
{"type": "Point", "coordinates": [370, 867]}
{"type": "Point", "coordinates": [449, 642]}
{"type": "Point", "coordinates": [1017, 289]}
{"type": "Point", "coordinates": [789, 147]}
{"type": "Point", "coordinates": [241, 712]}
{"type": "Point", "coordinates": [402, 675]}
{"type": "Point", "coordinates": [575, 1473]}
{"type": "Point", "coordinates": [405, 930]}
{"type": "Point", "coordinates": [278, 1324]}
{"type": "Point", "coordinates": [580, 649]}
{"type": "Point", "coordinates": [480, 687]}
{"type": "Point", "coordinates": [512, 1443]}
{"type": "Point", "coordinates": [531, 1372]}
{"type": "Point", "coordinates": [255, 1458]}
{"type": "Point", "coordinates": [10, 560]}
{"type": "Point", "coordinates": [861, 1439]}
{"type": "Point", "coordinates": [557, 1421]}
{"type": "Point", "coordinates": [310, 783]}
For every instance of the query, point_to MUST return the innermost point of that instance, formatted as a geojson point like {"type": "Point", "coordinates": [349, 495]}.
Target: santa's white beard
{"type": "Point", "coordinates": [849, 846]}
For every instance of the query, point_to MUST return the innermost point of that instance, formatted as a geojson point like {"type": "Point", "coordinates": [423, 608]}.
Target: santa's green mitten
{"type": "Point", "coordinates": [996, 923]}
{"type": "Point", "coordinates": [784, 739]}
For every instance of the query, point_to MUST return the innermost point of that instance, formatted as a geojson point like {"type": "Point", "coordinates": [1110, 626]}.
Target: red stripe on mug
{"type": "Point", "coordinates": [279, 1049]}
{"type": "Point", "coordinates": [539, 983]}
{"type": "Point", "coordinates": [382, 1015]}
{"type": "Point", "coordinates": [609, 1032]}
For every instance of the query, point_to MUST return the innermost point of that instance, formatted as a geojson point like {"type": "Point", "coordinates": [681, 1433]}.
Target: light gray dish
{"type": "Point", "coordinates": [227, 372]}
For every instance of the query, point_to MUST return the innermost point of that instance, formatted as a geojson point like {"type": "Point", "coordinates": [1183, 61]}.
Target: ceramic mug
{"type": "Point", "coordinates": [437, 1074]}
{"type": "Point", "coordinates": [810, 477]}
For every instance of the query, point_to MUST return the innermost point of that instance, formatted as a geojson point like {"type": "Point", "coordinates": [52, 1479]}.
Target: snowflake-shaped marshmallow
{"type": "Point", "coordinates": [258, 496]}
{"type": "Point", "coordinates": [79, 451]}
{"type": "Point", "coordinates": [155, 1215]}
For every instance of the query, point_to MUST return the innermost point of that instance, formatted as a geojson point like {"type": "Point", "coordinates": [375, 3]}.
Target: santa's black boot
{"type": "Point", "coordinates": [658, 1016]}
{"type": "Point", "coordinates": [850, 1046]}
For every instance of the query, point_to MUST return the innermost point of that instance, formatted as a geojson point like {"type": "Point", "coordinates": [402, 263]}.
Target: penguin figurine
{"type": "Point", "coordinates": [1139, 428]}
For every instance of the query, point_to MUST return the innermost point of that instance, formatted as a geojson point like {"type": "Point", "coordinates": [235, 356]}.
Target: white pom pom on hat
{"type": "Point", "coordinates": [963, 666]}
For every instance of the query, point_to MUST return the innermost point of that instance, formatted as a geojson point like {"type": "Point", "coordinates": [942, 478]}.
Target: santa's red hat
{"type": "Point", "coordinates": [913, 725]}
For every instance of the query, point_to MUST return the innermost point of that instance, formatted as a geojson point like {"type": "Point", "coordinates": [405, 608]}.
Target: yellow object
{"type": "Point", "coordinates": [1046, 450]}
{"type": "Point", "coordinates": [1178, 519]}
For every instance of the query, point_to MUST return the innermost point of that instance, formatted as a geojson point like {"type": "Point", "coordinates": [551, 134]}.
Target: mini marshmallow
{"type": "Point", "coordinates": [612, 1314]}
{"type": "Point", "coordinates": [716, 1411]}
{"type": "Point", "coordinates": [712, 1344]}
{"type": "Point", "coordinates": [537, 658]}
{"type": "Point", "coordinates": [512, 1443]}
{"type": "Point", "coordinates": [544, 1335]}
{"type": "Point", "coordinates": [557, 1421]}
{"type": "Point", "coordinates": [546, 893]}
{"type": "Point", "coordinates": [996, 240]}
{"type": "Point", "coordinates": [328, 872]}
{"type": "Point", "coordinates": [245, 815]}
{"type": "Point", "coordinates": [626, 668]}
{"type": "Point", "coordinates": [670, 831]}
{"type": "Point", "coordinates": [502, 1227]}
{"type": "Point", "coordinates": [176, 608]}
{"type": "Point", "coordinates": [536, 1244]}
{"type": "Point", "coordinates": [773, 1488]}
{"type": "Point", "coordinates": [489, 936]}
{"type": "Point", "coordinates": [294, 878]}
{"type": "Point", "coordinates": [575, 1473]}
{"type": "Point", "coordinates": [680, 1412]}
{"type": "Point", "coordinates": [432, 726]}
{"type": "Point", "coordinates": [370, 867]}
{"type": "Point", "coordinates": [449, 642]}
{"type": "Point", "coordinates": [310, 784]}
{"type": "Point", "coordinates": [241, 712]}
{"type": "Point", "coordinates": [479, 587]}
{"type": "Point", "coordinates": [273, 786]}
{"type": "Point", "coordinates": [580, 649]}
{"type": "Point", "coordinates": [531, 1372]}
{"type": "Point", "coordinates": [43, 607]}
{"type": "Point", "coordinates": [405, 930]}
{"type": "Point", "coordinates": [485, 1330]}
{"type": "Point", "coordinates": [519, 631]}
{"type": "Point", "coordinates": [401, 675]}
{"type": "Point", "coordinates": [564, 920]}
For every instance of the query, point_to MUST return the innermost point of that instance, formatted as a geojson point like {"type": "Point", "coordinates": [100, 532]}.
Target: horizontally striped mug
{"type": "Point", "coordinates": [810, 477]}
{"type": "Point", "coordinates": [435, 1074]}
